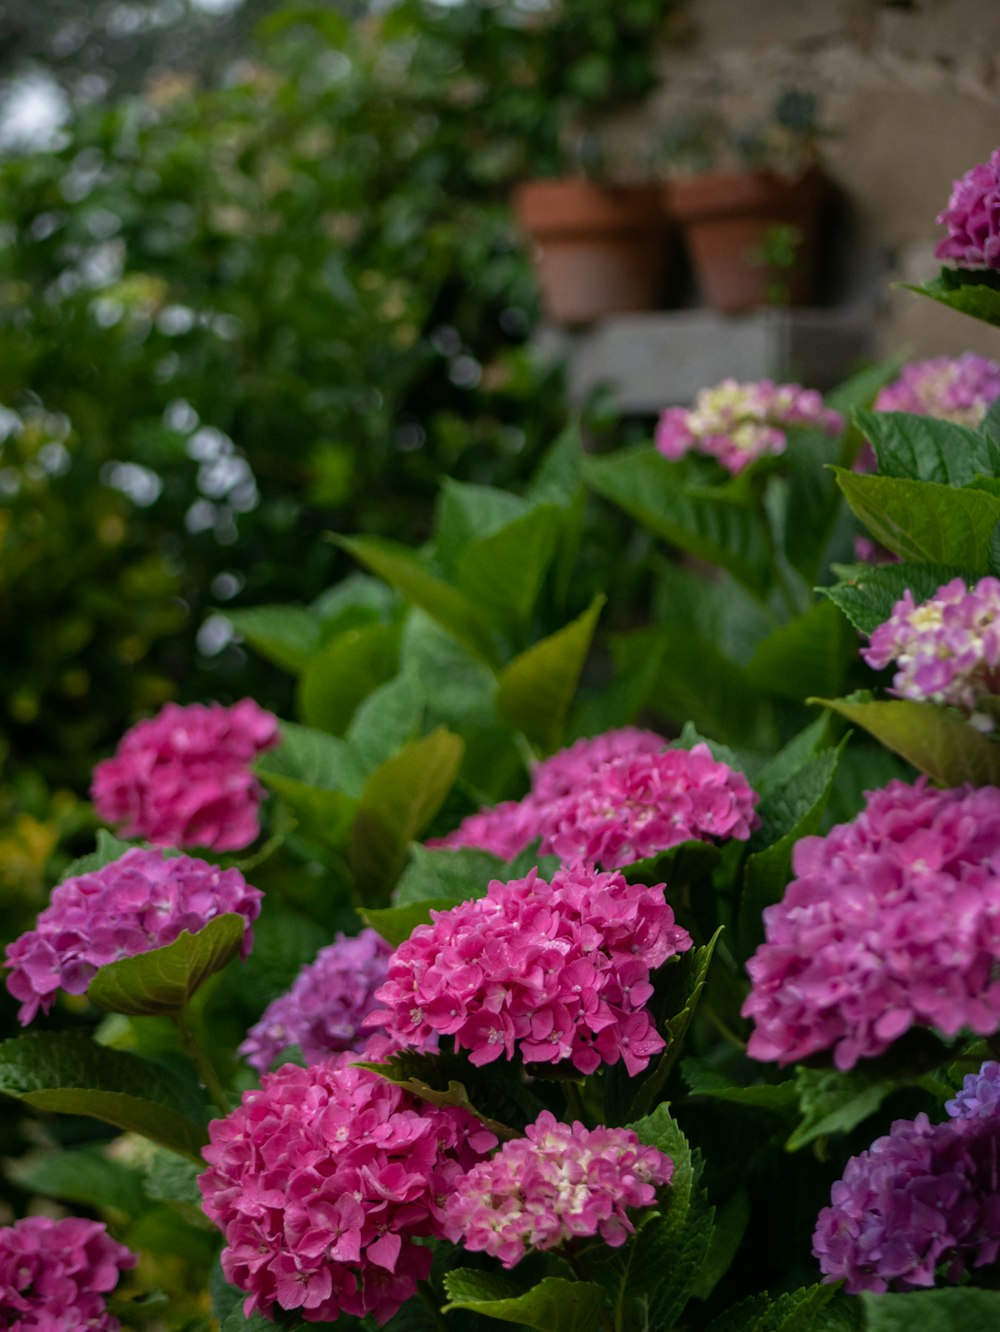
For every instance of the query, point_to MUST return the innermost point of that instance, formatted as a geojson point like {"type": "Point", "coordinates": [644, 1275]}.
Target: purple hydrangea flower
{"type": "Point", "coordinates": [946, 649]}
{"type": "Point", "coordinates": [138, 902]}
{"type": "Point", "coordinates": [57, 1274]}
{"type": "Point", "coordinates": [323, 1011]}
{"type": "Point", "coordinates": [889, 923]}
{"type": "Point", "coordinates": [973, 218]}
{"type": "Point", "coordinates": [738, 423]}
{"type": "Point", "coordinates": [559, 1182]}
{"type": "Point", "coordinates": [925, 1197]}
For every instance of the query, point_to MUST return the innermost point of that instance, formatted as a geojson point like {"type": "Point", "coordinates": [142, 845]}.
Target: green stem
{"type": "Point", "coordinates": [574, 1102]}
{"type": "Point", "coordinates": [726, 1032]}
{"type": "Point", "coordinates": [201, 1061]}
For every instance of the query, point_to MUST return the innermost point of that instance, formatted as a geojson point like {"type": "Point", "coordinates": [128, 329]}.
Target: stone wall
{"type": "Point", "coordinates": [911, 89]}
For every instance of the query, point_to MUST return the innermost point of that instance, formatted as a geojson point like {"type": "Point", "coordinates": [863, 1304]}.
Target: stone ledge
{"type": "Point", "coordinates": [653, 360]}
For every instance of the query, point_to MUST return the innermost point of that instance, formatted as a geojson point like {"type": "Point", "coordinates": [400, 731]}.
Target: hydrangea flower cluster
{"type": "Point", "coordinates": [323, 1010]}
{"type": "Point", "coordinates": [738, 423]}
{"type": "Point", "coordinates": [973, 218]}
{"type": "Point", "coordinates": [57, 1274]}
{"type": "Point", "coordinates": [557, 970]}
{"type": "Point", "coordinates": [322, 1182]}
{"type": "Point", "coordinates": [138, 902]}
{"type": "Point", "coordinates": [616, 799]}
{"type": "Point", "coordinates": [946, 649]}
{"type": "Point", "coordinates": [183, 777]}
{"type": "Point", "coordinates": [890, 922]}
{"type": "Point", "coordinates": [559, 1182]}
{"type": "Point", "coordinates": [924, 1197]}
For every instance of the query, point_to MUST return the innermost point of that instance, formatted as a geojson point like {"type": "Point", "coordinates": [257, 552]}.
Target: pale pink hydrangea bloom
{"type": "Point", "coordinates": [56, 1275]}
{"type": "Point", "coordinates": [559, 971]}
{"type": "Point", "coordinates": [322, 1182]}
{"type": "Point", "coordinates": [614, 799]}
{"type": "Point", "coordinates": [973, 218]}
{"type": "Point", "coordinates": [139, 902]}
{"type": "Point", "coordinates": [946, 649]}
{"type": "Point", "coordinates": [183, 777]}
{"type": "Point", "coordinates": [558, 1183]}
{"type": "Point", "coordinates": [323, 1011]}
{"type": "Point", "coordinates": [635, 807]}
{"type": "Point", "coordinates": [738, 423]}
{"type": "Point", "coordinates": [922, 1198]}
{"type": "Point", "coordinates": [890, 922]}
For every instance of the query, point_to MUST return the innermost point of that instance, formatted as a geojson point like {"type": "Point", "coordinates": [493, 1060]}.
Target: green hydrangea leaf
{"type": "Point", "coordinates": [554, 1305]}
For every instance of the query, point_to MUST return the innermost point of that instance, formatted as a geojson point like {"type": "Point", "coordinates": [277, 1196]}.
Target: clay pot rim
{"type": "Point", "coordinates": [721, 193]}
{"type": "Point", "coordinates": [573, 205]}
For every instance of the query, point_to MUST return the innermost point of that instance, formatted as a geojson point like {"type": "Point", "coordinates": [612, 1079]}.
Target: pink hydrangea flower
{"type": "Point", "coordinates": [138, 902]}
{"type": "Point", "coordinates": [634, 807]}
{"type": "Point", "coordinates": [322, 1182]}
{"type": "Point", "coordinates": [56, 1275]}
{"type": "Point", "coordinates": [558, 1183]}
{"type": "Point", "coordinates": [615, 799]}
{"type": "Point", "coordinates": [890, 922]}
{"type": "Point", "coordinates": [183, 777]}
{"type": "Point", "coordinates": [946, 649]}
{"type": "Point", "coordinates": [923, 1197]}
{"type": "Point", "coordinates": [738, 423]}
{"type": "Point", "coordinates": [973, 218]}
{"type": "Point", "coordinates": [323, 1011]}
{"type": "Point", "coordinates": [559, 971]}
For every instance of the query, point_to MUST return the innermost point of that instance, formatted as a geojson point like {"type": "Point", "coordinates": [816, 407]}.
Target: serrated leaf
{"type": "Point", "coordinates": [861, 389]}
{"type": "Point", "coordinates": [162, 981]}
{"type": "Point", "coordinates": [835, 1102]}
{"type": "Point", "coordinates": [343, 672]}
{"type": "Point", "coordinates": [72, 1075]}
{"type": "Point", "coordinates": [923, 521]}
{"type": "Point", "coordinates": [454, 1094]}
{"type": "Point", "coordinates": [451, 876]}
{"type": "Point", "coordinates": [452, 609]}
{"type": "Point", "coordinates": [791, 758]}
{"type": "Point", "coordinates": [730, 1226]}
{"type": "Point", "coordinates": [286, 635]}
{"type": "Point", "coordinates": [85, 1175]}
{"type": "Point", "coordinates": [964, 1309]}
{"type": "Point", "coordinates": [467, 513]}
{"type": "Point", "coordinates": [974, 292]}
{"type": "Point", "coordinates": [387, 719]}
{"type": "Point", "coordinates": [814, 647]}
{"type": "Point", "coordinates": [780, 1098]}
{"type": "Point", "coordinates": [396, 924]}
{"type": "Point", "coordinates": [796, 1310]}
{"type": "Point", "coordinates": [870, 592]}
{"type": "Point", "coordinates": [399, 800]}
{"type": "Point", "coordinates": [536, 689]}
{"type": "Point", "coordinates": [554, 1305]}
{"type": "Point", "coordinates": [696, 682]}
{"type": "Point", "coordinates": [109, 849]}
{"type": "Point", "coordinates": [644, 484]}
{"type": "Point", "coordinates": [319, 776]}
{"type": "Point", "coordinates": [934, 739]}
{"type": "Point", "coordinates": [503, 572]}
{"type": "Point", "coordinates": [171, 1179]}
{"type": "Point", "coordinates": [927, 448]}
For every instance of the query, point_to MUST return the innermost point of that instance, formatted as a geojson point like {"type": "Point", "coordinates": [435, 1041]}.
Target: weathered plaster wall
{"type": "Point", "coordinates": [912, 91]}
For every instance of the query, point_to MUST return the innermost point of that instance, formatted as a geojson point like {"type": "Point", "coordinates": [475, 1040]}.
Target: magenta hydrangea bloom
{"type": "Point", "coordinates": [138, 902]}
{"type": "Point", "coordinates": [738, 423]}
{"type": "Point", "coordinates": [559, 971]}
{"type": "Point", "coordinates": [322, 1182]}
{"type": "Point", "coordinates": [973, 218]}
{"type": "Point", "coordinates": [889, 923]}
{"type": "Point", "coordinates": [631, 808]}
{"type": "Point", "coordinates": [183, 777]}
{"type": "Point", "coordinates": [323, 1011]}
{"type": "Point", "coordinates": [923, 1199]}
{"type": "Point", "coordinates": [946, 649]}
{"type": "Point", "coordinates": [56, 1275]}
{"type": "Point", "coordinates": [615, 799]}
{"type": "Point", "coordinates": [558, 1183]}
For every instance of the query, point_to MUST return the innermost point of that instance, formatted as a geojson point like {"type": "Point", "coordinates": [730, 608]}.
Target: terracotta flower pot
{"type": "Point", "coordinates": [599, 249]}
{"type": "Point", "coordinates": [728, 221]}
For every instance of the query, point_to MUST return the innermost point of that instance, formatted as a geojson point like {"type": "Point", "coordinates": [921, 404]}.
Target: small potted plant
{"type": "Point", "coordinates": [599, 248]}
{"type": "Point", "coordinates": [750, 206]}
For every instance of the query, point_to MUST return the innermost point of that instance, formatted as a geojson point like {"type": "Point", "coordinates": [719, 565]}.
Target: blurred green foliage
{"type": "Point", "coordinates": [261, 311]}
